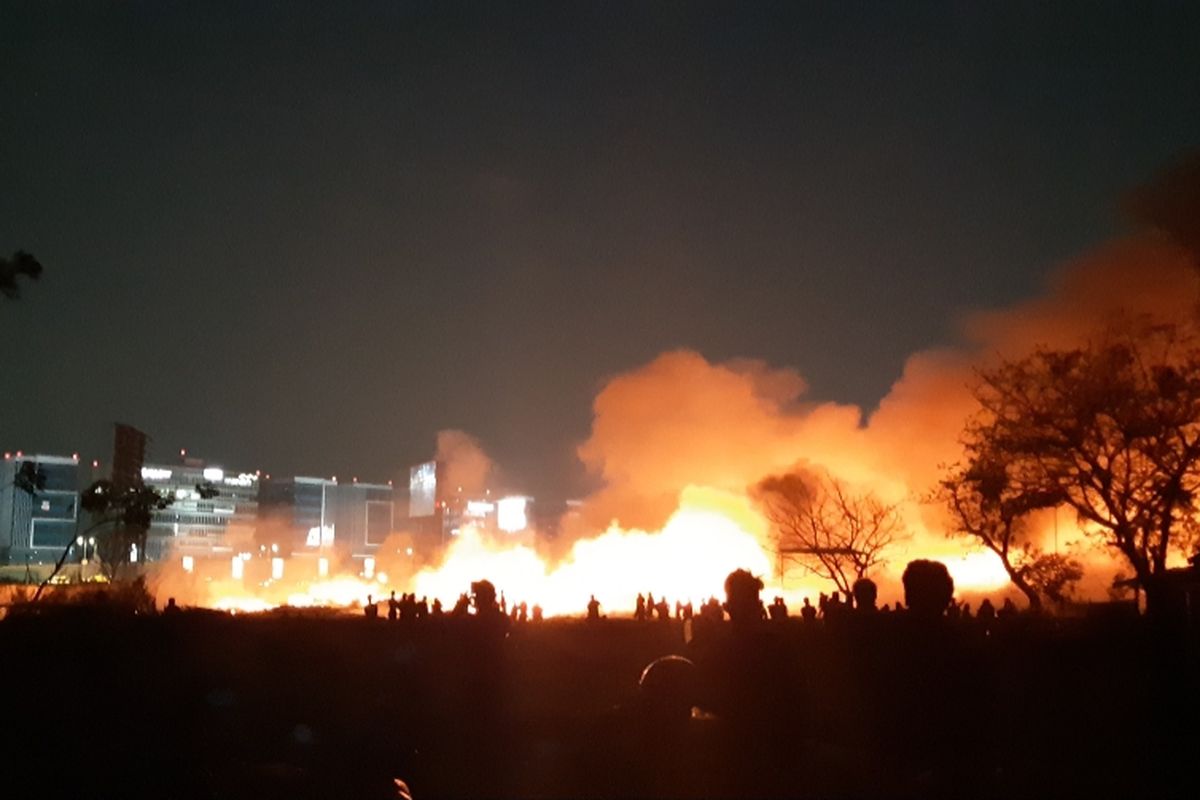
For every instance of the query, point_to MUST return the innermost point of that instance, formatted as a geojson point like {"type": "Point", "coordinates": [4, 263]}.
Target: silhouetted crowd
{"type": "Point", "coordinates": [927, 584]}
{"type": "Point", "coordinates": [480, 602]}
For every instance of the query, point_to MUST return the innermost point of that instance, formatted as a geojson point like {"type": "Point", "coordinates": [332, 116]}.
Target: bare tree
{"type": "Point", "coordinates": [827, 529]}
{"type": "Point", "coordinates": [1110, 430]}
{"type": "Point", "coordinates": [984, 505]}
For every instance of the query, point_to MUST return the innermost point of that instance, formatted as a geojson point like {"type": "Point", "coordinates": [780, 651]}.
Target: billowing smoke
{"type": "Point", "coordinates": [681, 420]}
{"type": "Point", "coordinates": [466, 464]}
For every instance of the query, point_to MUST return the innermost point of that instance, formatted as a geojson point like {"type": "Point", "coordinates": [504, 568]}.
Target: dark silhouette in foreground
{"type": "Point", "coordinates": [908, 703]}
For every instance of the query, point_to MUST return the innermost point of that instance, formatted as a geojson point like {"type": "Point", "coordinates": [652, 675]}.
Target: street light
{"type": "Point", "coordinates": [83, 560]}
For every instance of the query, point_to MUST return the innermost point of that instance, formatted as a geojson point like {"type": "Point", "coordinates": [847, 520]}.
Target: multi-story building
{"type": "Point", "coordinates": [36, 526]}
{"type": "Point", "coordinates": [194, 524]}
{"type": "Point", "coordinates": [313, 515]}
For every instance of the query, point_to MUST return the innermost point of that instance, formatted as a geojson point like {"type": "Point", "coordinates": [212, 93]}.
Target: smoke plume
{"type": "Point", "coordinates": [466, 464]}
{"type": "Point", "coordinates": [681, 420]}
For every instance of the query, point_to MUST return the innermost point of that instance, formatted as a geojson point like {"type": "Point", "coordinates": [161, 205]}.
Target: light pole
{"type": "Point", "coordinates": [83, 561]}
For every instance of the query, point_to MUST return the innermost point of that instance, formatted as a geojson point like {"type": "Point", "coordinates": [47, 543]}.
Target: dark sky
{"type": "Point", "coordinates": [306, 237]}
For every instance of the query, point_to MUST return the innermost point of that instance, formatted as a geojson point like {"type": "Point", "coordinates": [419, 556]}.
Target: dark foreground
{"type": "Point", "coordinates": [204, 705]}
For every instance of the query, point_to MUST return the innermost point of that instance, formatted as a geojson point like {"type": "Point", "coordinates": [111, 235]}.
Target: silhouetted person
{"type": "Point", "coordinates": [865, 594]}
{"type": "Point", "coordinates": [423, 608]}
{"type": "Point", "coordinates": [436, 609]}
{"type": "Point", "coordinates": [663, 609]}
{"type": "Point", "coordinates": [928, 588]}
{"type": "Point", "coordinates": [712, 610]}
{"type": "Point", "coordinates": [808, 612]}
{"type": "Point", "coordinates": [370, 609]}
{"type": "Point", "coordinates": [393, 608]}
{"type": "Point", "coordinates": [593, 609]}
{"type": "Point", "coordinates": [687, 610]}
{"type": "Point", "coordinates": [747, 680]}
{"type": "Point", "coordinates": [987, 611]}
{"type": "Point", "coordinates": [965, 610]}
{"type": "Point", "coordinates": [503, 603]}
{"type": "Point", "coordinates": [639, 610]}
{"type": "Point", "coordinates": [834, 605]}
{"type": "Point", "coordinates": [170, 607]}
{"type": "Point", "coordinates": [522, 612]}
{"type": "Point", "coordinates": [408, 607]}
{"type": "Point", "coordinates": [462, 607]}
{"type": "Point", "coordinates": [483, 597]}
{"type": "Point", "coordinates": [741, 598]}
{"type": "Point", "coordinates": [1008, 610]}
{"type": "Point", "coordinates": [537, 613]}
{"type": "Point", "coordinates": [778, 610]}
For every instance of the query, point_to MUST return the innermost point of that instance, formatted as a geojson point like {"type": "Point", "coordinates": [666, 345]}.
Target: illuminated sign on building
{"type": "Point", "coordinates": [214, 474]}
{"type": "Point", "coordinates": [244, 479]}
{"type": "Point", "coordinates": [155, 474]}
{"type": "Point", "coordinates": [511, 514]}
{"type": "Point", "coordinates": [479, 508]}
{"type": "Point", "coordinates": [422, 489]}
{"type": "Point", "coordinates": [319, 536]}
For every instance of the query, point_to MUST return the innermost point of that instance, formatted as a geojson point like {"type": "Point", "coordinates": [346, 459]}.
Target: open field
{"type": "Point", "coordinates": [207, 705]}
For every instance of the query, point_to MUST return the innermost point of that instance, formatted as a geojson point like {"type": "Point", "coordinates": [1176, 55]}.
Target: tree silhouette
{"type": "Point", "coordinates": [126, 517]}
{"type": "Point", "coordinates": [828, 530]}
{"type": "Point", "coordinates": [120, 520]}
{"type": "Point", "coordinates": [21, 263]}
{"type": "Point", "coordinates": [985, 505]}
{"type": "Point", "coordinates": [1110, 430]}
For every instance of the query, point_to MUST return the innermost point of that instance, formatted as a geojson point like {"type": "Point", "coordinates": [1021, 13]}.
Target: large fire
{"type": "Point", "coordinates": [710, 534]}
{"type": "Point", "coordinates": [676, 442]}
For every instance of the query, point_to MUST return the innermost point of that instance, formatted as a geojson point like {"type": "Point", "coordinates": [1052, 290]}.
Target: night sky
{"type": "Point", "coordinates": [304, 238]}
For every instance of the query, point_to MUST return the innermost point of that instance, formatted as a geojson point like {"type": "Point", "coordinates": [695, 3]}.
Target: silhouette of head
{"type": "Point", "coordinates": [483, 593]}
{"type": "Point", "coordinates": [928, 588]}
{"type": "Point", "coordinates": [669, 688]}
{"type": "Point", "coordinates": [741, 596]}
{"type": "Point", "coordinates": [865, 593]}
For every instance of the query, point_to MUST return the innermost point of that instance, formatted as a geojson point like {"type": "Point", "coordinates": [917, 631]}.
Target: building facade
{"type": "Point", "coordinates": [196, 525]}
{"type": "Point", "coordinates": [314, 515]}
{"type": "Point", "coordinates": [35, 527]}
